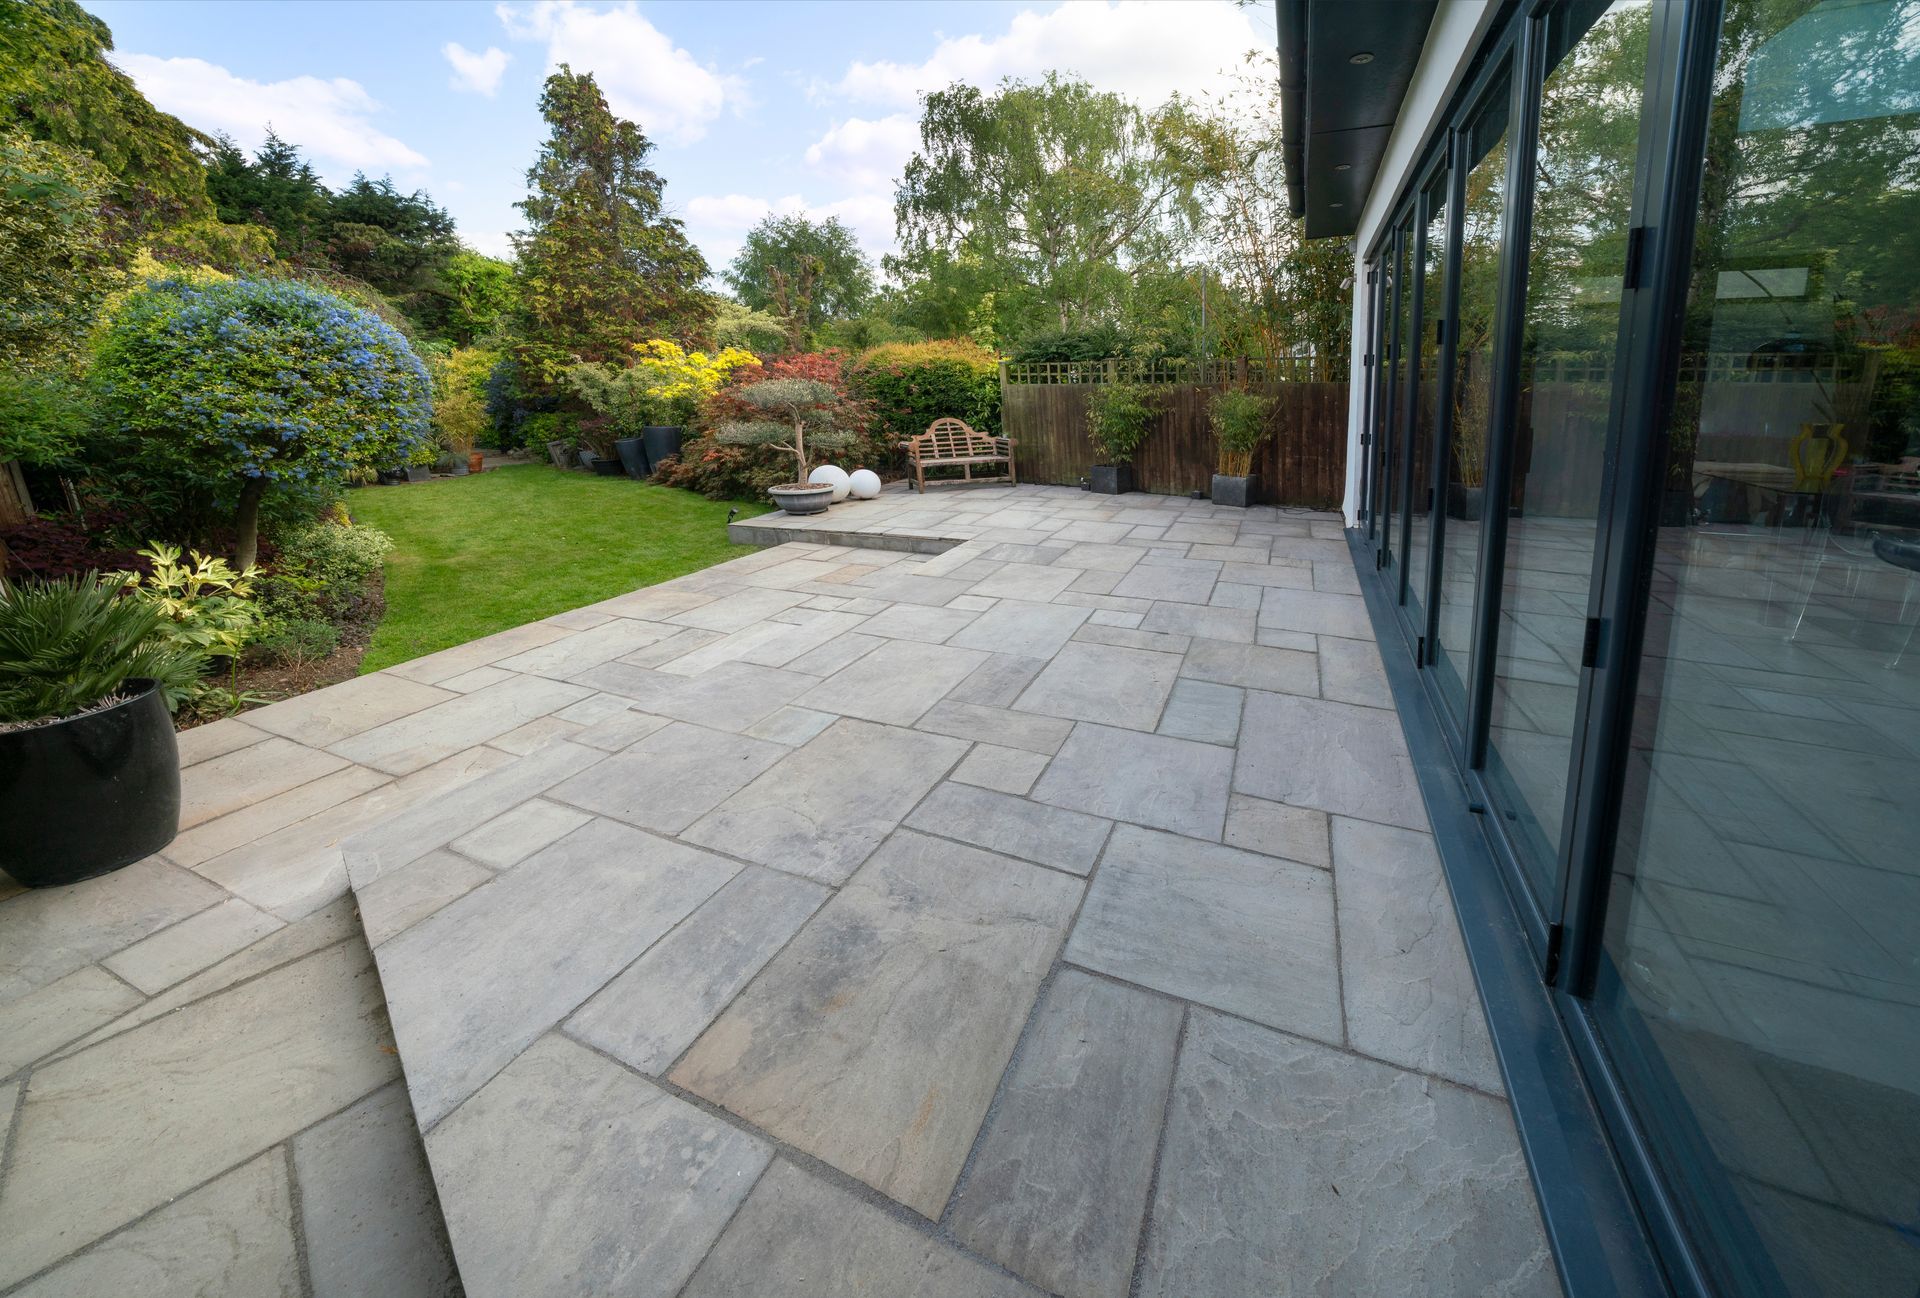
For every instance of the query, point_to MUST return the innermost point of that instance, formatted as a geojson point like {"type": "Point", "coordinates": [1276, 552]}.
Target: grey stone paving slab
{"type": "Point", "coordinates": [155, 963]}
{"type": "Point", "coordinates": [1010, 770]}
{"type": "Point", "coordinates": [1168, 783]}
{"type": "Point", "coordinates": [896, 683]}
{"type": "Point", "coordinates": [620, 730]}
{"type": "Point", "coordinates": [249, 824]}
{"type": "Point", "coordinates": [652, 1012]}
{"type": "Point", "coordinates": [684, 640]}
{"type": "Point", "coordinates": [47, 933]}
{"type": "Point", "coordinates": [233, 1236]}
{"type": "Point", "coordinates": [1316, 611]}
{"type": "Point", "coordinates": [425, 737]}
{"type": "Point", "coordinates": [875, 1039]}
{"type": "Point", "coordinates": [998, 681]}
{"type": "Point", "coordinates": [47, 1018]}
{"type": "Point", "coordinates": [1256, 667]}
{"type": "Point", "coordinates": [368, 1212]}
{"type": "Point", "coordinates": [999, 822]}
{"type": "Point", "coordinates": [669, 779]}
{"type": "Point", "coordinates": [215, 738]}
{"type": "Point", "coordinates": [823, 808]}
{"type": "Point", "coordinates": [835, 654]}
{"type": "Point", "coordinates": [1230, 595]}
{"type": "Point", "coordinates": [1213, 623]}
{"type": "Point", "coordinates": [1297, 833]}
{"type": "Point", "coordinates": [792, 726]}
{"type": "Point", "coordinates": [150, 1113]}
{"type": "Point", "coordinates": [474, 984]}
{"type": "Point", "coordinates": [1293, 575]}
{"type": "Point", "coordinates": [248, 775]}
{"type": "Point", "coordinates": [1432, 1191]}
{"type": "Point", "coordinates": [1350, 672]}
{"type": "Point", "coordinates": [1339, 758]}
{"type": "Point", "coordinates": [1026, 581]}
{"type": "Point", "coordinates": [798, 1237]}
{"type": "Point", "coordinates": [1024, 629]}
{"type": "Point", "coordinates": [1103, 683]}
{"type": "Point", "coordinates": [1100, 556]}
{"type": "Point", "coordinates": [1056, 1189]}
{"type": "Point", "coordinates": [402, 898]}
{"type": "Point", "coordinates": [917, 622]}
{"type": "Point", "coordinates": [731, 696]}
{"type": "Point", "coordinates": [1199, 710]}
{"type": "Point", "coordinates": [740, 609]}
{"type": "Point", "coordinates": [340, 711]}
{"type": "Point", "coordinates": [1133, 638]}
{"type": "Point", "coordinates": [477, 679]}
{"type": "Point", "coordinates": [1185, 581]}
{"type": "Point", "coordinates": [516, 834]}
{"type": "Point", "coordinates": [654, 603]}
{"type": "Point", "coordinates": [1042, 735]}
{"type": "Point", "coordinates": [448, 663]}
{"type": "Point", "coordinates": [616, 1188]}
{"type": "Point", "coordinates": [1410, 994]}
{"type": "Point", "coordinates": [535, 735]}
{"type": "Point", "coordinates": [910, 588]}
{"type": "Point", "coordinates": [1212, 924]}
{"type": "Point", "coordinates": [1109, 617]}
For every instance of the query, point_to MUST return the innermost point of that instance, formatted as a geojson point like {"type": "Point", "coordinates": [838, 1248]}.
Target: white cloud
{"type": "Point", "coordinates": [1143, 50]}
{"type": "Point", "coordinates": [718, 223]}
{"type": "Point", "coordinates": [329, 119]}
{"type": "Point", "coordinates": [479, 73]}
{"type": "Point", "coordinates": [643, 74]}
{"type": "Point", "coordinates": [867, 153]}
{"type": "Point", "coordinates": [494, 243]}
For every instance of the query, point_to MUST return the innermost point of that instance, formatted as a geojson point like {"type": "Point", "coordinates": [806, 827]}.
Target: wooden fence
{"type": "Point", "coordinates": [1044, 407]}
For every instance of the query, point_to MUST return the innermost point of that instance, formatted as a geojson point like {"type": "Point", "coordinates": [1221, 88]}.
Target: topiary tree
{"type": "Point", "coordinates": [801, 413]}
{"type": "Point", "coordinates": [216, 395]}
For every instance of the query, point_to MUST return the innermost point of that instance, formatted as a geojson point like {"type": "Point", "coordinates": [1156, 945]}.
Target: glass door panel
{"type": "Point", "coordinates": [1583, 184]}
{"type": "Point", "coordinates": [1394, 471]}
{"type": "Point", "coordinates": [1759, 982]}
{"type": "Point", "coordinates": [1483, 228]}
{"type": "Point", "coordinates": [1432, 290]}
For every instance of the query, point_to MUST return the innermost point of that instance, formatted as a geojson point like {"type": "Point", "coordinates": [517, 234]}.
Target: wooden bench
{"type": "Point", "coordinates": [953, 442]}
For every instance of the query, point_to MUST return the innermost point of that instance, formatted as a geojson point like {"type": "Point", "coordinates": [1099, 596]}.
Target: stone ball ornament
{"type": "Point", "coordinates": [831, 475]}
{"type": "Point", "coordinates": [865, 484]}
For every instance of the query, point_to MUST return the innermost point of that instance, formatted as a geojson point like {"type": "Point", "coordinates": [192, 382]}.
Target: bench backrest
{"type": "Point", "coordinates": [954, 438]}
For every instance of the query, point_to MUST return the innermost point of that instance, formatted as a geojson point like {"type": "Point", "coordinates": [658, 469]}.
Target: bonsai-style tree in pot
{"type": "Point", "coordinates": [799, 420]}
{"type": "Point", "coordinates": [89, 771]}
{"type": "Point", "coordinates": [1119, 417]}
{"type": "Point", "coordinates": [1239, 421]}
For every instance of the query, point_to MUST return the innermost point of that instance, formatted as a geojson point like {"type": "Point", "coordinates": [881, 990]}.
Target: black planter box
{"type": "Point", "coordinates": [604, 468]}
{"type": "Point", "coordinates": [1464, 502]}
{"type": "Point", "coordinates": [1236, 491]}
{"type": "Point", "coordinates": [1111, 479]}
{"type": "Point", "coordinates": [633, 457]}
{"type": "Point", "coordinates": [89, 794]}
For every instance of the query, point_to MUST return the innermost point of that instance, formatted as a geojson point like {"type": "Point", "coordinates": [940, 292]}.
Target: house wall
{"type": "Point", "coordinates": [1458, 29]}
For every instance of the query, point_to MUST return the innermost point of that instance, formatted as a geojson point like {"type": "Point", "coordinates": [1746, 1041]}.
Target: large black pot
{"type": "Point", "coordinates": [1235, 490]}
{"type": "Point", "coordinates": [89, 794]}
{"type": "Point", "coordinates": [662, 441]}
{"type": "Point", "coordinates": [1111, 479]}
{"type": "Point", "coordinates": [633, 457]}
{"type": "Point", "coordinates": [1464, 502]}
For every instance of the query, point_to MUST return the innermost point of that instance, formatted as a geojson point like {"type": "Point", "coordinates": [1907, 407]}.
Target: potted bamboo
{"type": "Point", "coordinates": [1119, 417]}
{"type": "Point", "coordinates": [1239, 421]}
{"type": "Point", "coordinates": [798, 420]}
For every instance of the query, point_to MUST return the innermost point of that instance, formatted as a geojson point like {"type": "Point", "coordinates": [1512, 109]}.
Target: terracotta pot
{"type": "Point", "coordinates": [475, 461]}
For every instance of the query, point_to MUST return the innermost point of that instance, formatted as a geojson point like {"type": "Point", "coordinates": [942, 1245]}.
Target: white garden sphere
{"type": "Point", "coordinates": [865, 484]}
{"type": "Point", "coordinates": [831, 475]}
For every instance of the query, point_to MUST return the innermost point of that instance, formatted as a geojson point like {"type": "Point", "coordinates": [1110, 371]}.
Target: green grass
{"type": "Point", "coordinates": [480, 554]}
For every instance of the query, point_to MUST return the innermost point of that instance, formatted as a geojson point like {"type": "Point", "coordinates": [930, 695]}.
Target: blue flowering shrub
{"type": "Point", "coordinates": [217, 400]}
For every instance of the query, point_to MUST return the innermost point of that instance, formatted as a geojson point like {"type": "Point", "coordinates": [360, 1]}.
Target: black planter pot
{"type": "Point", "coordinates": [1111, 479]}
{"type": "Point", "coordinates": [1464, 502]}
{"type": "Point", "coordinates": [1236, 490]}
{"type": "Point", "coordinates": [90, 794]}
{"type": "Point", "coordinates": [663, 441]}
{"type": "Point", "coordinates": [607, 468]}
{"type": "Point", "coordinates": [633, 457]}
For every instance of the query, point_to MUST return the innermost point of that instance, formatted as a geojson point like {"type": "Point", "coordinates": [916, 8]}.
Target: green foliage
{"type": "Point", "coordinates": [479, 296]}
{"type": "Point", "coordinates": [1119, 417]}
{"type": "Point", "coordinates": [459, 395]}
{"type": "Point", "coordinates": [737, 325]}
{"type": "Point", "coordinates": [912, 384]}
{"type": "Point", "coordinates": [214, 396]}
{"type": "Point", "coordinates": [1240, 422]}
{"type": "Point", "coordinates": [1099, 343]}
{"type": "Point", "coordinates": [321, 571]}
{"type": "Point", "coordinates": [803, 272]}
{"type": "Point", "coordinates": [204, 604]}
{"type": "Point", "coordinates": [55, 267]}
{"type": "Point", "coordinates": [294, 642]}
{"type": "Point", "coordinates": [42, 419]}
{"type": "Point", "coordinates": [67, 645]}
{"type": "Point", "coordinates": [600, 263]}
{"type": "Point", "coordinates": [797, 416]}
{"type": "Point", "coordinates": [276, 189]}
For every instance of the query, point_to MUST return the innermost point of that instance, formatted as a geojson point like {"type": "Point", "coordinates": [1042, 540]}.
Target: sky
{"type": "Point", "coordinates": [757, 107]}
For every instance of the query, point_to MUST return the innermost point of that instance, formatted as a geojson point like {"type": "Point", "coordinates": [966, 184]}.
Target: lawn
{"type": "Point", "coordinates": [480, 554]}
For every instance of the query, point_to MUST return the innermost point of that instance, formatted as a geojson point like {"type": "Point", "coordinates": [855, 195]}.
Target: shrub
{"type": "Point", "coordinates": [1239, 421]}
{"type": "Point", "coordinates": [295, 642]}
{"type": "Point", "coordinates": [203, 603]}
{"type": "Point", "coordinates": [215, 395]}
{"type": "Point", "coordinates": [1096, 344]}
{"type": "Point", "coordinates": [663, 386]}
{"type": "Point", "coordinates": [727, 472]}
{"type": "Point", "coordinates": [511, 403]}
{"type": "Point", "coordinates": [796, 416]}
{"type": "Point", "coordinates": [42, 418]}
{"type": "Point", "coordinates": [67, 645]}
{"type": "Point", "coordinates": [322, 571]}
{"type": "Point", "coordinates": [912, 384]}
{"type": "Point", "coordinates": [1119, 417]}
{"type": "Point", "coordinates": [459, 396]}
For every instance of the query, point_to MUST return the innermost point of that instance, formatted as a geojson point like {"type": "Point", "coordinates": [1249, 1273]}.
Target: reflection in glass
{"type": "Point", "coordinates": [1760, 984]}
{"type": "Point", "coordinates": [1397, 401]}
{"type": "Point", "coordinates": [1433, 274]}
{"type": "Point", "coordinates": [1483, 218]}
{"type": "Point", "coordinates": [1582, 204]}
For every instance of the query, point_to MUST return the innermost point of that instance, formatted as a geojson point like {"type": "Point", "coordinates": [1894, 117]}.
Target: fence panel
{"type": "Point", "coordinates": [1303, 463]}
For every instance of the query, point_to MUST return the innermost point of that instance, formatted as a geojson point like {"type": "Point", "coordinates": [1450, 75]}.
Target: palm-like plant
{"type": "Point", "coordinates": [800, 419]}
{"type": "Point", "coordinates": [68, 645]}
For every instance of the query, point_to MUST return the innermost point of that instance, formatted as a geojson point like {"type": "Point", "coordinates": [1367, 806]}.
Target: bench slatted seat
{"type": "Point", "coordinates": [953, 442]}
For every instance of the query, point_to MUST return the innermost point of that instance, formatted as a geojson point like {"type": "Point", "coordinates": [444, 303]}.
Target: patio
{"type": "Point", "coordinates": [1001, 891]}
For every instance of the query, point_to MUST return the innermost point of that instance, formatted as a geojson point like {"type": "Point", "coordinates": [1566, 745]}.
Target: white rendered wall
{"type": "Point", "coordinates": [1458, 29]}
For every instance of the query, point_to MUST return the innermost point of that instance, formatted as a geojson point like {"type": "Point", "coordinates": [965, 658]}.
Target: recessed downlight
{"type": "Point", "coordinates": [1336, 204]}
{"type": "Point", "coordinates": [1343, 166]}
{"type": "Point", "coordinates": [1364, 56]}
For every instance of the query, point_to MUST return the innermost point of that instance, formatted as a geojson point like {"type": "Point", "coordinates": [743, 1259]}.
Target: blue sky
{"type": "Point", "coordinates": [756, 107]}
